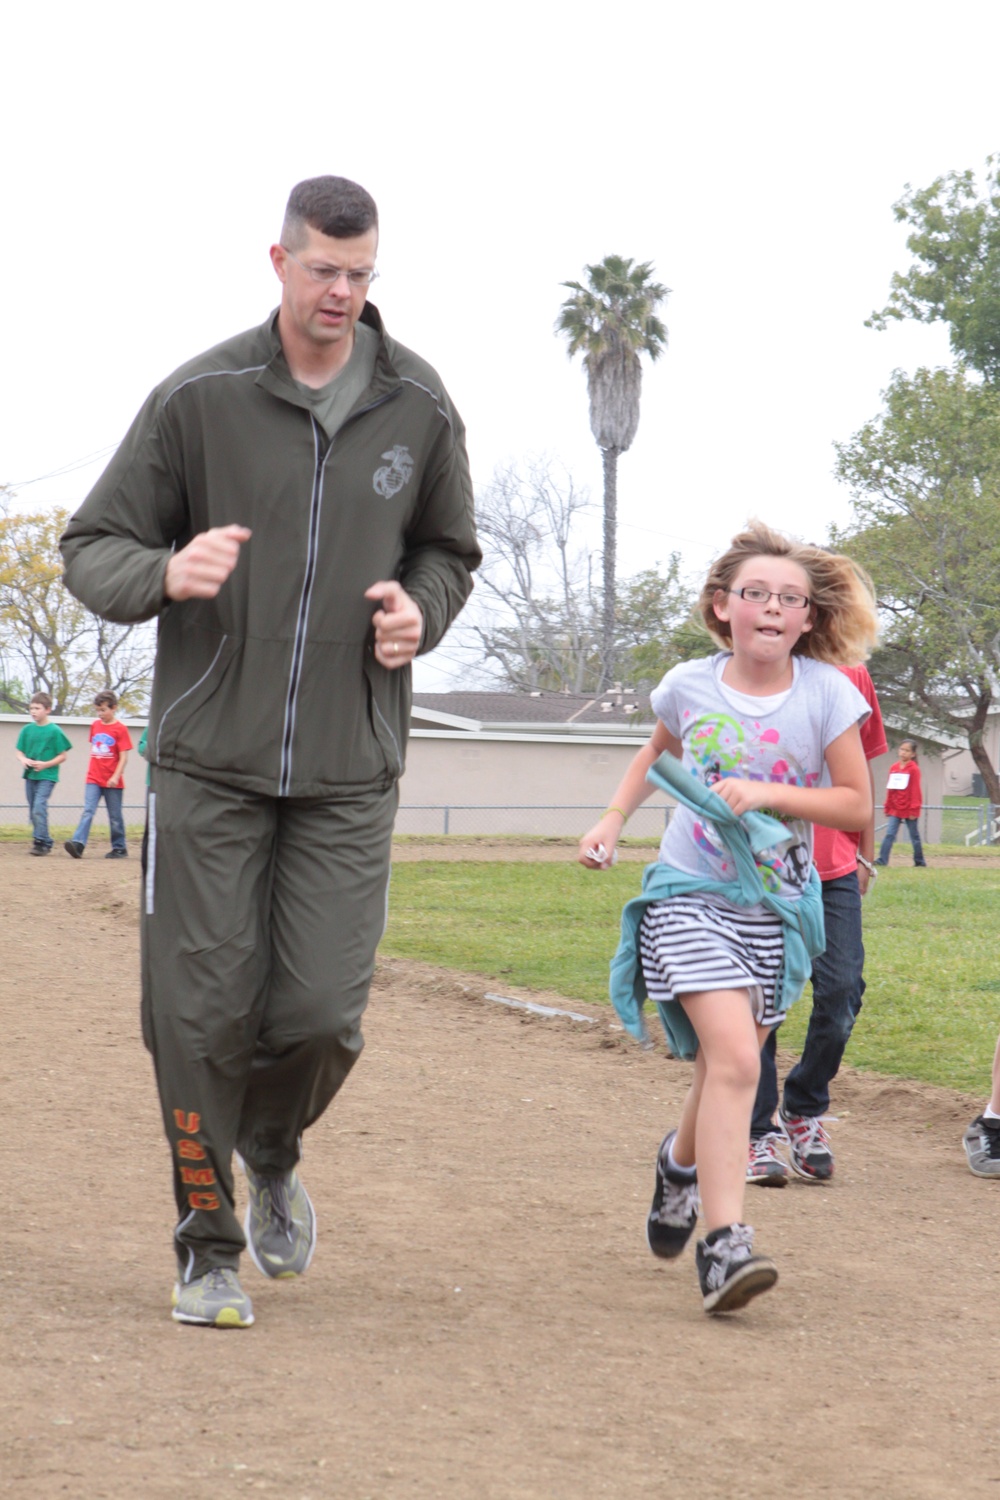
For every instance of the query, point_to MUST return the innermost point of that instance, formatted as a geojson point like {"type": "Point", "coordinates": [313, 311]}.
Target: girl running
{"type": "Point", "coordinates": [767, 736]}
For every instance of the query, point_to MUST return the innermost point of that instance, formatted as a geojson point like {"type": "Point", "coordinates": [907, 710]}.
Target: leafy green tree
{"type": "Point", "coordinates": [47, 638]}
{"type": "Point", "coordinates": [656, 625]}
{"type": "Point", "coordinates": [955, 277]}
{"type": "Point", "coordinates": [925, 477]}
{"type": "Point", "coordinates": [612, 321]}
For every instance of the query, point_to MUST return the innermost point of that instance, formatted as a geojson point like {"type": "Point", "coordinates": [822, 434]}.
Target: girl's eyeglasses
{"type": "Point", "coordinates": [764, 596]}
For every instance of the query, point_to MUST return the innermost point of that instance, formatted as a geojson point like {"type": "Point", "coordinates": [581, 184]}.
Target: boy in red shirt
{"type": "Point", "coordinates": [110, 743]}
{"type": "Point", "coordinates": [903, 801]}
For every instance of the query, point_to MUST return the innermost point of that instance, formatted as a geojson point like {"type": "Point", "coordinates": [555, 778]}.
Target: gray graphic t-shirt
{"type": "Point", "coordinates": [782, 738]}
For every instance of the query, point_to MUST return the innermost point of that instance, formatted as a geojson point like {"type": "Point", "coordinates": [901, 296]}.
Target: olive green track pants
{"type": "Point", "coordinates": [260, 920]}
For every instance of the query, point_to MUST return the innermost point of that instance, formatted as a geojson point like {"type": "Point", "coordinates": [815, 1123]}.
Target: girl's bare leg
{"type": "Point", "coordinates": [715, 1120]}
{"type": "Point", "coordinates": [684, 1140]}
{"type": "Point", "coordinates": [995, 1096]}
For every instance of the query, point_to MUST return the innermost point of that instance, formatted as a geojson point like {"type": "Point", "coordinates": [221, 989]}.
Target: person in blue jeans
{"type": "Point", "coordinates": [797, 1139]}
{"type": "Point", "coordinates": [41, 749]}
{"type": "Point", "coordinates": [903, 803]}
{"type": "Point", "coordinates": [110, 743]}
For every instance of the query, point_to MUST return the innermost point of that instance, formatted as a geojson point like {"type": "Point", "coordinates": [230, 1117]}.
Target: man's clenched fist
{"type": "Point", "coordinates": [199, 570]}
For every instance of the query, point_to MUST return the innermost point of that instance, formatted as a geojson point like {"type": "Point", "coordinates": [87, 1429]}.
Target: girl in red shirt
{"type": "Point", "coordinates": [903, 801]}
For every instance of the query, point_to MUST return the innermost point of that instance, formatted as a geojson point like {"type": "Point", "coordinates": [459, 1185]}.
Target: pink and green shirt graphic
{"type": "Point", "coordinates": [782, 738]}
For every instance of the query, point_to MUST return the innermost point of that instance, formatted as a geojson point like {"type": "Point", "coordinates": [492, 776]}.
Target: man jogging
{"type": "Point", "coordinates": [295, 506]}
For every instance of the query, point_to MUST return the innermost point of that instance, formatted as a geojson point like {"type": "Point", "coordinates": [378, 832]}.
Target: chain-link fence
{"type": "Point", "coordinates": [963, 824]}
{"type": "Point", "coordinates": [526, 820]}
{"type": "Point", "coordinates": [63, 813]}
{"type": "Point", "coordinates": [520, 820]}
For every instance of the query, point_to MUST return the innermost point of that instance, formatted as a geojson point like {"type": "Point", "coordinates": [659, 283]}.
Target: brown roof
{"type": "Point", "coordinates": [495, 709]}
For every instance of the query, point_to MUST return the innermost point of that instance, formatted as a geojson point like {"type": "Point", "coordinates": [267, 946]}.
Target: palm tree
{"type": "Point", "coordinates": [613, 320]}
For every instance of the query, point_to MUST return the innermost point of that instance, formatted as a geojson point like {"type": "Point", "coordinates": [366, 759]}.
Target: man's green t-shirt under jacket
{"type": "Point", "coordinates": [42, 742]}
{"type": "Point", "coordinates": [331, 403]}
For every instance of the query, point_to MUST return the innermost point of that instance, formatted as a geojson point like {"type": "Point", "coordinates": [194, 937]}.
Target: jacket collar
{"type": "Point", "coordinates": [277, 379]}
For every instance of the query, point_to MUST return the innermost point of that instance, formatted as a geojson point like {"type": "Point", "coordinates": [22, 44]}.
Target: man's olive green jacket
{"type": "Point", "coordinates": [273, 685]}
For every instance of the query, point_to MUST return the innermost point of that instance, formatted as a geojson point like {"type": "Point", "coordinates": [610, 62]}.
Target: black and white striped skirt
{"type": "Point", "coordinates": [694, 943]}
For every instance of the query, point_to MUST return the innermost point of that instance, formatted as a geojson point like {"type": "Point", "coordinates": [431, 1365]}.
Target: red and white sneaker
{"type": "Point", "coordinates": [809, 1149]}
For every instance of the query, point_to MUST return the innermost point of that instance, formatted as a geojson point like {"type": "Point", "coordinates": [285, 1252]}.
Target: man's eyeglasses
{"type": "Point", "coordinates": [764, 596]}
{"type": "Point", "coordinates": [329, 274]}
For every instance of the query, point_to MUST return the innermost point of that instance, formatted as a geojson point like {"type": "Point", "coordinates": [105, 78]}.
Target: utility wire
{"type": "Point", "coordinates": [76, 463]}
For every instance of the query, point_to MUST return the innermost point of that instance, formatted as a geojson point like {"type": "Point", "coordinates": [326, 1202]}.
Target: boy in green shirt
{"type": "Point", "coordinates": [41, 748]}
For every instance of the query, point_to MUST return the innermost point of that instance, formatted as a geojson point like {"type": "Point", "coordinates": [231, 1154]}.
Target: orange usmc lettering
{"type": "Point", "coordinates": [203, 1200]}
{"type": "Point", "coordinates": [198, 1176]}
{"type": "Point", "coordinates": [191, 1151]}
{"type": "Point", "coordinates": [187, 1120]}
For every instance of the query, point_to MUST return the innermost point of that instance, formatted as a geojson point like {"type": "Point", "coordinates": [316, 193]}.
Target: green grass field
{"type": "Point", "coordinates": [931, 1011]}
{"type": "Point", "coordinates": [20, 833]}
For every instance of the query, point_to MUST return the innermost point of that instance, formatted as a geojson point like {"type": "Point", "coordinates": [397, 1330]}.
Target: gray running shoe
{"type": "Point", "coordinates": [982, 1147]}
{"type": "Point", "coordinates": [728, 1271]}
{"type": "Point", "coordinates": [280, 1224]}
{"type": "Point", "coordinates": [766, 1166]}
{"type": "Point", "coordinates": [215, 1300]}
{"type": "Point", "coordinates": [74, 848]}
{"type": "Point", "coordinates": [674, 1210]}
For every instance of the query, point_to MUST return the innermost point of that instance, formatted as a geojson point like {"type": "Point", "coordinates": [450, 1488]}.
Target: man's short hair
{"type": "Point", "coordinates": [43, 699]}
{"type": "Point", "coordinates": [105, 699]}
{"type": "Point", "coordinates": [335, 206]}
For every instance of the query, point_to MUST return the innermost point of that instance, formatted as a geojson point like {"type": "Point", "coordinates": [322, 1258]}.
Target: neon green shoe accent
{"type": "Point", "coordinates": [280, 1224]}
{"type": "Point", "coordinates": [215, 1300]}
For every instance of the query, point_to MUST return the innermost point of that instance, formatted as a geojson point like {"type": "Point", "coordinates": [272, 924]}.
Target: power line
{"type": "Point", "coordinates": [70, 468]}
{"type": "Point", "coordinates": [669, 535]}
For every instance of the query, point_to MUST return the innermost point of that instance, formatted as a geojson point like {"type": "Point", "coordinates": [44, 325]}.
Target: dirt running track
{"type": "Point", "coordinates": [482, 1318]}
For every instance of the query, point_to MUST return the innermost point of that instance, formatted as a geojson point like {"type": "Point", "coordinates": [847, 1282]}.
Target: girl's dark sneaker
{"type": "Point", "coordinates": [674, 1211]}
{"type": "Point", "coordinates": [982, 1147]}
{"type": "Point", "coordinates": [728, 1271]}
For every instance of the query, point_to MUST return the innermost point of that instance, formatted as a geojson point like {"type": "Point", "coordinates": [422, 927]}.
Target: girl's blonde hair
{"type": "Point", "coordinates": [841, 595]}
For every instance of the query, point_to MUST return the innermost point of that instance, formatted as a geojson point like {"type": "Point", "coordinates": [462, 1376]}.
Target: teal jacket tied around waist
{"type": "Point", "coordinates": [744, 837]}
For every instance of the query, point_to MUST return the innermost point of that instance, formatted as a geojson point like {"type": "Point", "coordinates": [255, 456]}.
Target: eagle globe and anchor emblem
{"type": "Point", "coordinates": [390, 478]}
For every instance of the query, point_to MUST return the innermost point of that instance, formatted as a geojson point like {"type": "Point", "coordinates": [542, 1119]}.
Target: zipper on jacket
{"type": "Point", "coordinates": [299, 643]}
{"type": "Point", "coordinates": [302, 622]}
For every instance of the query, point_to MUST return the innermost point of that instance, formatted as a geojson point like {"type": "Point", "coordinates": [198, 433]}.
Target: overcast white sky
{"type": "Point", "coordinates": [751, 152]}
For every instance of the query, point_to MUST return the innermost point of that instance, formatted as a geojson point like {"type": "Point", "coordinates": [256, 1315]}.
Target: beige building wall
{"type": "Point", "coordinates": [959, 767]}
{"type": "Point", "coordinates": [68, 793]}
{"type": "Point", "coordinates": [445, 768]}
{"type": "Point", "coordinates": [515, 774]}
{"type": "Point", "coordinates": [516, 781]}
